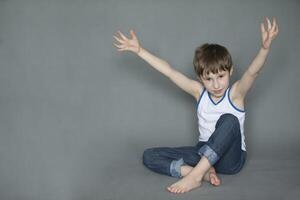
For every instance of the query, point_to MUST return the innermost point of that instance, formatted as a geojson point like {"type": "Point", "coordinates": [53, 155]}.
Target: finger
{"type": "Point", "coordinates": [267, 36]}
{"type": "Point", "coordinates": [273, 25]}
{"type": "Point", "coordinates": [118, 39]}
{"type": "Point", "coordinates": [133, 35]}
{"type": "Point", "coordinates": [121, 49]}
{"type": "Point", "coordinates": [116, 45]}
{"type": "Point", "coordinates": [276, 27]}
{"type": "Point", "coordinates": [269, 24]}
{"type": "Point", "coordinates": [262, 27]}
{"type": "Point", "coordinates": [275, 21]}
{"type": "Point", "coordinates": [276, 30]}
{"type": "Point", "coordinates": [122, 36]}
{"type": "Point", "coordinates": [119, 46]}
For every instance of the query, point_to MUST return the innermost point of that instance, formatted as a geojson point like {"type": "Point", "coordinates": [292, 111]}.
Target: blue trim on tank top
{"type": "Point", "coordinates": [219, 100]}
{"type": "Point", "coordinates": [240, 110]}
{"type": "Point", "coordinates": [200, 97]}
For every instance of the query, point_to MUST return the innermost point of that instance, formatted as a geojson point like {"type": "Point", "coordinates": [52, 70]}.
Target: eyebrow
{"type": "Point", "coordinates": [217, 74]}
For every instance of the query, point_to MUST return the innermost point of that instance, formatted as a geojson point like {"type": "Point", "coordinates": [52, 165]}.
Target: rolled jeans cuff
{"type": "Point", "coordinates": [209, 153]}
{"type": "Point", "coordinates": [175, 168]}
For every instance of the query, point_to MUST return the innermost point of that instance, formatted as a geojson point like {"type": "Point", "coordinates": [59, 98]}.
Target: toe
{"type": "Point", "coordinates": [213, 181]}
{"type": "Point", "coordinates": [174, 190]}
{"type": "Point", "coordinates": [179, 191]}
{"type": "Point", "coordinates": [171, 188]}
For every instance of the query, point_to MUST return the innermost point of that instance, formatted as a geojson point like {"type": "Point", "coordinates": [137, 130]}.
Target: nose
{"type": "Point", "coordinates": [216, 84]}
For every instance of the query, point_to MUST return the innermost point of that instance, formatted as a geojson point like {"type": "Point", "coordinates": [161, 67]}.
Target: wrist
{"type": "Point", "coordinates": [140, 49]}
{"type": "Point", "coordinates": [264, 50]}
{"type": "Point", "coordinates": [264, 47]}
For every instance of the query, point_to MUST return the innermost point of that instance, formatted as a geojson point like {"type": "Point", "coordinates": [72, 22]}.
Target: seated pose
{"type": "Point", "coordinates": [220, 109]}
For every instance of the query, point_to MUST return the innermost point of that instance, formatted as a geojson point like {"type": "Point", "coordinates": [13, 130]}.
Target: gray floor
{"type": "Point", "coordinates": [260, 179]}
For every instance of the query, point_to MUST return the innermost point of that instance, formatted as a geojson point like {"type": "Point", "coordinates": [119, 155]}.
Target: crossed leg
{"type": "Point", "coordinates": [193, 179]}
{"type": "Point", "coordinates": [224, 142]}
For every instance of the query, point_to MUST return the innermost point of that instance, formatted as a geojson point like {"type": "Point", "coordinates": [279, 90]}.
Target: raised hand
{"type": "Point", "coordinates": [125, 44]}
{"type": "Point", "coordinates": [268, 34]}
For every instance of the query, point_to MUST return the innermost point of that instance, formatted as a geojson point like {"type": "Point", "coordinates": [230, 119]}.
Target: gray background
{"type": "Point", "coordinates": [76, 115]}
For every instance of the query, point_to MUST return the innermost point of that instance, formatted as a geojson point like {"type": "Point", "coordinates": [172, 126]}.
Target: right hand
{"type": "Point", "coordinates": [126, 44]}
{"type": "Point", "coordinates": [268, 34]}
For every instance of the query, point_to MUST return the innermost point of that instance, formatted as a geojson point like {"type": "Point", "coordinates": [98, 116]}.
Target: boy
{"type": "Point", "coordinates": [221, 147]}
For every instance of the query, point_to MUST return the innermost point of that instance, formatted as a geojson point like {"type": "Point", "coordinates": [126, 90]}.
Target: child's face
{"type": "Point", "coordinates": [216, 84]}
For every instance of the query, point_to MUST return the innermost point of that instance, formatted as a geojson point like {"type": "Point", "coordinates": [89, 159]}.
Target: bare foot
{"type": "Point", "coordinates": [186, 184]}
{"type": "Point", "coordinates": [210, 176]}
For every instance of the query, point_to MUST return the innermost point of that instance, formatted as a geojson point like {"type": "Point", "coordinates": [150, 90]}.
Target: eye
{"type": "Point", "coordinates": [221, 76]}
{"type": "Point", "coordinates": [208, 79]}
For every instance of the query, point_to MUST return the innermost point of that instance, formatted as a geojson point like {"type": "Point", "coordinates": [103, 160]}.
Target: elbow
{"type": "Point", "coordinates": [253, 74]}
{"type": "Point", "coordinates": [169, 71]}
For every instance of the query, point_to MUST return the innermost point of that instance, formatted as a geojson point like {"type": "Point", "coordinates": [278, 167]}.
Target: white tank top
{"type": "Point", "coordinates": [209, 112]}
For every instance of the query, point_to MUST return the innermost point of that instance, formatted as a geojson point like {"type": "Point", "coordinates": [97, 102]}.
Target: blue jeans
{"type": "Point", "coordinates": [223, 151]}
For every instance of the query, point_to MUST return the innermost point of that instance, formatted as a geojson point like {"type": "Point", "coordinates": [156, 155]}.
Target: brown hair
{"type": "Point", "coordinates": [211, 58]}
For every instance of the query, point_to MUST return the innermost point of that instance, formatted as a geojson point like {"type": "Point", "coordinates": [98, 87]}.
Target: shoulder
{"type": "Point", "coordinates": [200, 89]}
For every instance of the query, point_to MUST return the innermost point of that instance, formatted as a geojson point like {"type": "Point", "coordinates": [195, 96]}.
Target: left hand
{"type": "Point", "coordinates": [268, 34]}
{"type": "Point", "coordinates": [125, 44]}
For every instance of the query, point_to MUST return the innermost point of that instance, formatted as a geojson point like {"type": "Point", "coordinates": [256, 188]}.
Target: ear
{"type": "Point", "coordinates": [231, 70]}
{"type": "Point", "coordinates": [199, 79]}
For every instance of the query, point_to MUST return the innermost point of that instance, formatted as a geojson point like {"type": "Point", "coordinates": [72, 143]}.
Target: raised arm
{"type": "Point", "coordinates": [242, 86]}
{"type": "Point", "coordinates": [124, 44]}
